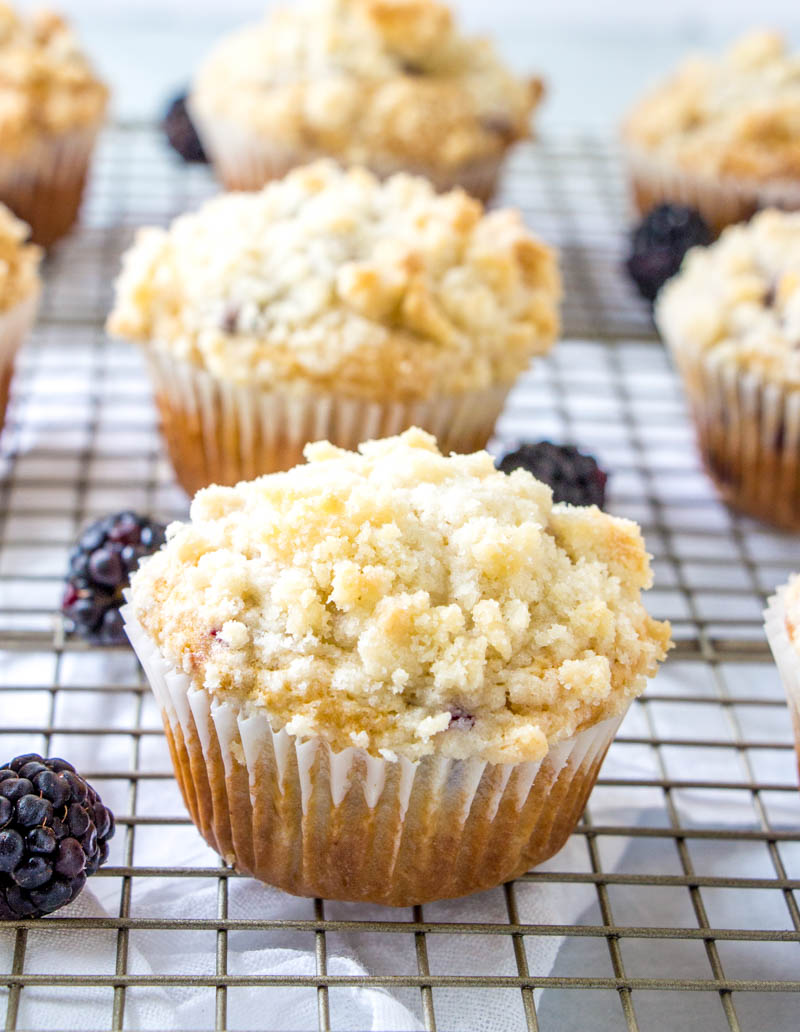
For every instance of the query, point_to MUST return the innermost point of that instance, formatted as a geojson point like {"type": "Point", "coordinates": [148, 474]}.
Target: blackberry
{"type": "Point", "coordinates": [54, 833]}
{"type": "Point", "coordinates": [659, 243]}
{"type": "Point", "coordinates": [181, 133]}
{"type": "Point", "coordinates": [107, 553]}
{"type": "Point", "coordinates": [574, 477]}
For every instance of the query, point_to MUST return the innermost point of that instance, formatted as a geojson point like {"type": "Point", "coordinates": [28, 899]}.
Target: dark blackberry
{"type": "Point", "coordinates": [100, 566]}
{"type": "Point", "coordinates": [54, 833]}
{"type": "Point", "coordinates": [659, 243]}
{"type": "Point", "coordinates": [181, 133]}
{"type": "Point", "coordinates": [574, 477]}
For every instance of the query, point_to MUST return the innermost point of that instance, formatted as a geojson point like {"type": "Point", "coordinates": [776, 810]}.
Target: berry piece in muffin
{"type": "Point", "coordinates": [574, 477]}
{"type": "Point", "coordinates": [659, 244]}
{"type": "Point", "coordinates": [100, 565]}
{"type": "Point", "coordinates": [181, 133]}
{"type": "Point", "coordinates": [54, 833]}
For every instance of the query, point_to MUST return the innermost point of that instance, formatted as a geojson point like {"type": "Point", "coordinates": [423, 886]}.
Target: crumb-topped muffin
{"type": "Point", "coordinates": [399, 605]}
{"type": "Point", "coordinates": [51, 107]}
{"type": "Point", "coordinates": [732, 320]}
{"type": "Point", "coordinates": [19, 294]}
{"type": "Point", "coordinates": [333, 287]}
{"type": "Point", "coordinates": [391, 84]}
{"type": "Point", "coordinates": [721, 133]}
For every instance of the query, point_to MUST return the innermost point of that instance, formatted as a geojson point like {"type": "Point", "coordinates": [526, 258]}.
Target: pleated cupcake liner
{"type": "Point", "coordinates": [347, 825]}
{"type": "Point", "coordinates": [44, 186]}
{"type": "Point", "coordinates": [748, 433]}
{"type": "Point", "coordinates": [786, 657]}
{"type": "Point", "coordinates": [219, 432]}
{"type": "Point", "coordinates": [721, 201]}
{"type": "Point", "coordinates": [14, 326]}
{"type": "Point", "coordinates": [244, 161]}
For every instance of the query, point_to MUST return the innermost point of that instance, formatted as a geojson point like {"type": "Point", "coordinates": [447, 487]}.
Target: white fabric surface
{"type": "Point", "coordinates": [291, 952]}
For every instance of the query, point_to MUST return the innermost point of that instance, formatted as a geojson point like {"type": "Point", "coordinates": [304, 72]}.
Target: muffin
{"type": "Point", "coordinates": [331, 304]}
{"type": "Point", "coordinates": [731, 318]}
{"type": "Point", "coordinates": [51, 110]}
{"type": "Point", "coordinates": [389, 84]}
{"type": "Point", "coordinates": [721, 135]}
{"type": "Point", "coordinates": [782, 625]}
{"type": "Point", "coordinates": [19, 295]}
{"type": "Point", "coordinates": [389, 675]}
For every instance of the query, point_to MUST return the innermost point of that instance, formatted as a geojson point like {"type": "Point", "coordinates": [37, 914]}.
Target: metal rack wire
{"type": "Point", "coordinates": [697, 806]}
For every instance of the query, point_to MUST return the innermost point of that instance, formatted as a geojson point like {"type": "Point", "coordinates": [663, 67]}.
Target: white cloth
{"type": "Point", "coordinates": [278, 952]}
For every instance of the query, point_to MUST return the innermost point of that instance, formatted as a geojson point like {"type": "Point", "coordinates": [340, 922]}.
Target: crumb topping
{"type": "Point", "coordinates": [736, 115]}
{"type": "Point", "coordinates": [406, 602]}
{"type": "Point", "coordinates": [739, 300]}
{"type": "Point", "coordinates": [365, 79]}
{"type": "Point", "coordinates": [336, 281]}
{"type": "Point", "coordinates": [19, 261]}
{"type": "Point", "coordinates": [46, 83]}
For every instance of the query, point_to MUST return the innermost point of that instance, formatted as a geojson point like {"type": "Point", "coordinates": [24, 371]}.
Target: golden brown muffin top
{"type": "Point", "coordinates": [406, 602]}
{"type": "Point", "coordinates": [47, 85]}
{"type": "Point", "coordinates": [339, 282]}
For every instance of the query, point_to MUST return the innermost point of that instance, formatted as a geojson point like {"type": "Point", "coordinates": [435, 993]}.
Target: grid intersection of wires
{"type": "Point", "coordinates": [695, 817]}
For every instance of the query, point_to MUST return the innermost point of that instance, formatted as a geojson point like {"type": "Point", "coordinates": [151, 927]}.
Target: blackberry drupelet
{"type": "Point", "coordinates": [659, 244]}
{"type": "Point", "coordinates": [54, 832]}
{"type": "Point", "coordinates": [181, 133]}
{"type": "Point", "coordinates": [574, 477]}
{"type": "Point", "coordinates": [107, 553]}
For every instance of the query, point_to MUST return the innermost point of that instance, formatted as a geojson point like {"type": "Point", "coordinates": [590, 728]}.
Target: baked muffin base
{"type": "Point", "coordinates": [721, 202]}
{"type": "Point", "coordinates": [220, 433]}
{"type": "Point", "coordinates": [44, 187]}
{"type": "Point", "coordinates": [14, 326]}
{"type": "Point", "coordinates": [356, 827]}
{"type": "Point", "coordinates": [748, 432]}
{"type": "Point", "coordinates": [245, 162]}
{"type": "Point", "coordinates": [786, 658]}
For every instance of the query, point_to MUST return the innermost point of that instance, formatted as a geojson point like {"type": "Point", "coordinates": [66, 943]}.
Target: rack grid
{"type": "Point", "coordinates": [674, 904]}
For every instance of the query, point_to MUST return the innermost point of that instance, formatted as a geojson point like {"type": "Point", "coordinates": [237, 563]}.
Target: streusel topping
{"type": "Point", "coordinates": [406, 602]}
{"type": "Point", "coordinates": [739, 300]}
{"type": "Point", "coordinates": [337, 281]}
{"type": "Point", "coordinates": [361, 79]}
{"type": "Point", "coordinates": [46, 83]}
{"type": "Point", "coordinates": [19, 261]}
{"type": "Point", "coordinates": [737, 115]}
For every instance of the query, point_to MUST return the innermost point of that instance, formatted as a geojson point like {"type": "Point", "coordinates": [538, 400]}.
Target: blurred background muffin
{"type": "Point", "coordinates": [732, 320]}
{"type": "Point", "coordinates": [51, 108]}
{"type": "Point", "coordinates": [332, 304]}
{"type": "Point", "coordinates": [722, 135]}
{"type": "Point", "coordinates": [390, 84]}
{"type": "Point", "coordinates": [19, 294]}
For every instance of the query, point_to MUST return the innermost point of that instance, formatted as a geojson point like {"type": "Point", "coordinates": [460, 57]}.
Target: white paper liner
{"type": "Point", "coordinates": [348, 825]}
{"type": "Point", "coordinates": [748, 432]}
{"type": "Point", "coordinates": [721, 201]}
{"type": "Point", "coordinates": [243, 161]}
{"type": "Point", "coordinates": [786, 657]}
{"type": "Point", "coordinates": [14, 326]}
{"type": "Point", "coordinates": [44, 185]}
{"type": "Point", "coordinates": [218, 432]}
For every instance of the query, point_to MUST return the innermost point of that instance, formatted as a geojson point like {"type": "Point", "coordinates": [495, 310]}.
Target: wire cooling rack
{"type": "Point", "coordinates": [675, 901]}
